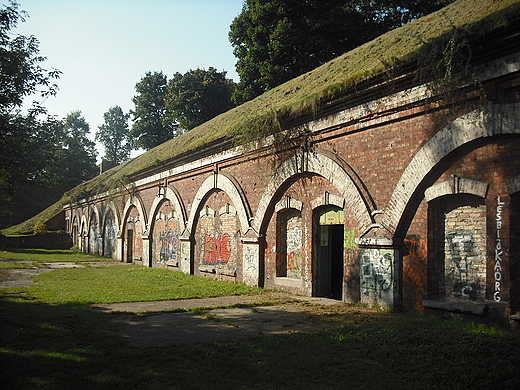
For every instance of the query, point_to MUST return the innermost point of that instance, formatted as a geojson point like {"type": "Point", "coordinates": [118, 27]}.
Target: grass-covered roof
{"type": "Point", "coordinates": [405, 45]}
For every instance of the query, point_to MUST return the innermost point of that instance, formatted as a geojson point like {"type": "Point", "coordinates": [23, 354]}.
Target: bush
{"type": "Point", "coordinates": [40, 227]}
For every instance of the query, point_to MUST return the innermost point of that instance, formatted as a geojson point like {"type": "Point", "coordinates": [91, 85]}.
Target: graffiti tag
{"type": "Point", "coordinates": [294, 264]}
{"type": "Point", "coordinates": [217, 249]}
{"type": "Point", "coordinates": [169, 243]}
{"type": "Point", "coordinates": [376, 273]}
{"type": "Point", "coordinates": [498, 251]}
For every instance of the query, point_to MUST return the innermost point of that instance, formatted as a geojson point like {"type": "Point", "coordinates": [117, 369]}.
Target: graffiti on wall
{"type": "Point", "coordinates": [462, 253]}
{"type": "Point", "coordinates": [499, 251]}
{"type": "Point", "coordinates": [414, 269]}
{"type": "Point", "coordinates": [109, 240]}
{"type": "Point", "coordinates": [169, 243]}
{"type": "Point", "coordinates": [138, 240]}
{"type": "Point", "coordinates": [294, 247]}
{"type": "Point", "coordinates": [250, 257]}
{"type": "Point", "coordinates": [294, 264]}
{"type": "Point", "coordinates": [185, 256]}
{"type": "Point", "coordinates": [376, 275]}
{"type": "Point", "coordinates": [217, 249]}
{"type": "Point", "coordinates": [464, 266]}
{"type": "Point", "coordinates": [94, 241]}
{"type": "Point", "coordinates": [349, 239]}
{"type": "Point", "coordinates": [250, 264]}
{"type": "Point", "coordinates": [290, 241]}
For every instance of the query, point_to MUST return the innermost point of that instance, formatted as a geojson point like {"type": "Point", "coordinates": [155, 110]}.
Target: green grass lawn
{"type": "Point", "coordinates": [51, 339]}
{"type": "Point", "coordinates": [47, 256]}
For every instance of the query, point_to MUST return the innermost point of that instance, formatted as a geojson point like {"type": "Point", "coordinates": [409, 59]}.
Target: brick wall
{"type": "Point", "coordinates": [418, 188]}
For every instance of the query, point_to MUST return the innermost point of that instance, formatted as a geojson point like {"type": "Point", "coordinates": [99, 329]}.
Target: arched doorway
{"type": "Point", "coordinates": [329, 238]}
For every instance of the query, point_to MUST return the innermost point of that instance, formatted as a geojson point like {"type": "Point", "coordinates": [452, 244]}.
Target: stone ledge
{"type": "Point", "coordinates": [458, 307]}
{"type": "Point", "coordinates": [288, 282]}
{"type": "Point", "coordinates": [208, 270]}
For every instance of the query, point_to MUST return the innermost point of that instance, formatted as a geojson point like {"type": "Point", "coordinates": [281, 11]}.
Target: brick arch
{"type": "Point", "coordinates": [222, 181]}
{"type": "Point", "coordinates": [83, 232]}
{"type": "Point", "coordinates": [133, 201]}
{"type": "Point", "coordinates": [173, 196]}
{"type": "Point", "coordinates": [488, 121]}
{"type": "Point", "coordinates": [75, 218]}
{"type": "Point", "coordinates": [457, 185]}
{"type": "Point", "coordinates": [93, 210]}
{"type": "Point", "coordinates": [170, 194]}
{"type": "Point", "coordinates": [83, 224]}
{"type": "Point", "coordinates": [137, 202]}
{"type": "Point", "coordinates": [75, 227]}
{"type": "Point", "coordinates": [110, 206]}
{"type": "Point", "coordinates": [324, 166]}
{"type": "Point", "coordinates": [93, 213]}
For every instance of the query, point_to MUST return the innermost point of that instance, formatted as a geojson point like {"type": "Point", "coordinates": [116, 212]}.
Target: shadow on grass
{"type": "Point", "coordinates": [38, 251]}
{"type": "Point", "coordinates": [73, 347]}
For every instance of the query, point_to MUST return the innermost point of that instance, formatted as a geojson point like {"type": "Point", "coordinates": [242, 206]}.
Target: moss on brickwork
{"type": "Point", "coordinates": [424, 41]}
{"type": "Point", "coordinates": [259, 117]}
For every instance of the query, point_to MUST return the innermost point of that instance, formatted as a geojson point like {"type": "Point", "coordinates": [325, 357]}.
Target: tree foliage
{"type": "Point", "coordinates": [277, 40]}
{"type": "Point", "coordinates": [197, 96]}
{"type": "Point", "coordinates": [114, 135]}
{"type": "Point", "coordinates": [78, 154]}
{"type": "Point", "coordinates": [20, 72]}
{"type": "Point", "coordinates": [150, 124]}
{"type": "Point", "coordinates": [40, 156]}
{"type": "Point", "coordinates": [27, 145]}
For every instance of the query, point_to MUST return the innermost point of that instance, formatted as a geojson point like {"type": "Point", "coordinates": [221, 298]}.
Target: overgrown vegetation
{"type": "Point", "coordinates": [52, 341]}
{"type": "Point", "coordinates": [258, 118]}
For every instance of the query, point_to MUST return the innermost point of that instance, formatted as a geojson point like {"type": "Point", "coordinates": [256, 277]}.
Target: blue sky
{"type": "Point", "coordinates": [104, 47]}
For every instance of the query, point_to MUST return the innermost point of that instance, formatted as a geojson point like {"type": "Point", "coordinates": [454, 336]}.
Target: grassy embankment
{"type": "Point", "coordinates": [52, 339]}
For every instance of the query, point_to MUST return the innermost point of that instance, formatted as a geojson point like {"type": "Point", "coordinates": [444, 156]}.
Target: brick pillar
{"type": "Point", "coordinates": [379, 272]}
{"type": "Point", "coordinates": [251, 261]}
{"type": "Point", "coordinates": [185, 260]}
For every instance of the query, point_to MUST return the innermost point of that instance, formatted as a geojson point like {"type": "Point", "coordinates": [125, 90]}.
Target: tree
{"type": "Point", "coordinates": [78, 154]}
{"type": "Point", "coordinates": [151, 126]}
{"type": "Point", "coordinates": [21, 75]}
{"type": "Point", "coordinates": [114, 135]}
{"type": "Point", "coordinates": [197, 96]}
{"type": "Point", "coordinates": [277, 40]}
{"type": "Point", "coordinates": [27, 145]}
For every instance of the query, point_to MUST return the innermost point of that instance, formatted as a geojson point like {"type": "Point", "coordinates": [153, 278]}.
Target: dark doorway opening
{"type": "Point", "coordinates": [130, 246]}
{"type": "Point", "coordinates": [329, 254]}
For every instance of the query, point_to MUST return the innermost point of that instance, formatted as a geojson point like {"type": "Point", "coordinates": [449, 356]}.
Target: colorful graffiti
{"type": "Point", "coordinates": [376, 275]}
{"type": "Point", "coordinates": [294, 265]}
{"type": "Point", "coordinates": [169, 242]}
{"type": "Point", "coordinates": [290, 243]}
{"type": "Point", "coordinates": [217, 249]}
{"type": "Point", "coordinates": [349, 239]}
{"type": "Point", "coordinates": [414, 269]}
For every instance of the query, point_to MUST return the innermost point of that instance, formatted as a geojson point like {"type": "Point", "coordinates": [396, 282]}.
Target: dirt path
{"type": "Point", "coordinates": [165, 323]}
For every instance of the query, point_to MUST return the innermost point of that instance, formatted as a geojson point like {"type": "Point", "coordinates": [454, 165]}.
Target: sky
{"type": "Point", "coordinates": [104, 47]}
